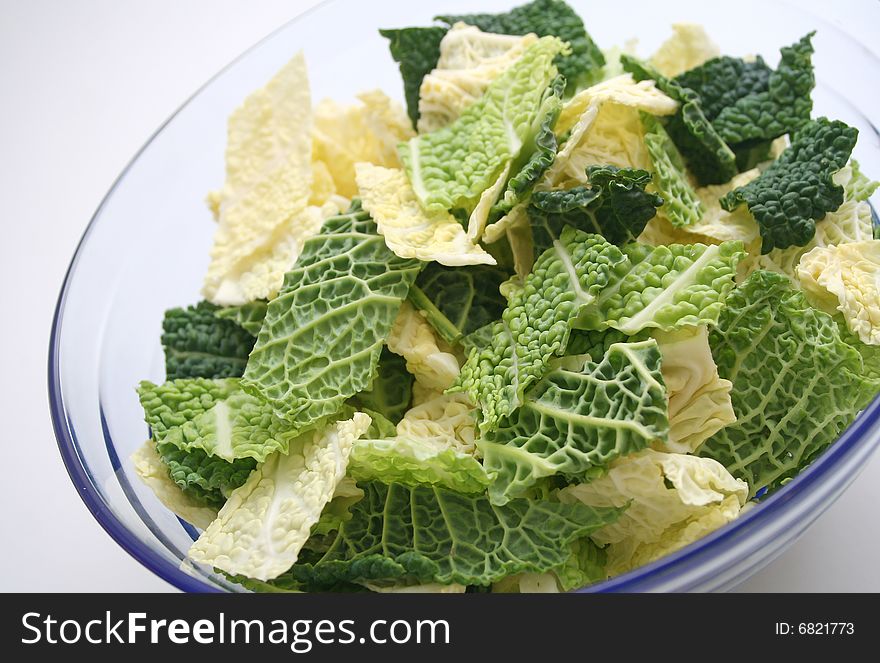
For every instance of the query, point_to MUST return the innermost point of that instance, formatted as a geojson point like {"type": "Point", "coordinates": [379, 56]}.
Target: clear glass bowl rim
{"type": "Point", "coordinates": [748, 526]}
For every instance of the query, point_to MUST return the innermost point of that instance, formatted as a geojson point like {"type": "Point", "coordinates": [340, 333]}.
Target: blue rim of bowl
{"type": "Point", "coordinates": [636, 580]}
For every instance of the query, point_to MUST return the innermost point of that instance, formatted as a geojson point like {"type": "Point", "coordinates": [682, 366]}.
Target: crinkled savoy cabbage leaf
{"type": "Point", "coordinates": [851, 222]}
{"type": "Point", "coordinates": [216, 417]}
{"type": "Point", "coordinates": [783, 108]}
{"type": "Point", "coordinates": [699, 401]}
{"type": "Point", "coordinates": [536, 323]}
{"type": "Point", "coordinates": [321, 340]}
{"type": "Point", "coordinates": [413, 461]}
{"type": "Point", "coordinates": [172, 404]}
{"type": "Point", "coordinates": [150, 468]}
{"type": "Point", "coordinates": [427, 357]}
{"type": "Point", "coordinates": [263, 209]}
{"type": "Point", "coordinates": [199, 344]}
{"type": "Point", "coordinates": [584, 566]}
{"type": "Point", "coordinates": [707, 155]}
{"type": "Point", "coordinates": [432, 534]}
{"type": "Point", "coordinates": [470, 60]}
{"type": "Point", "coordinates": [380, 428]}
{"type": "Point", "coordinates": [408, 230]}
{"type": "Point", "coordinates": [688, 47]}
{"type": "Point", "coordinates": [796, 383]}
{"type": "Point", "coordinates": [600, 126]}
{"type": "Point", "coordinates": [581, 67]}
{"type": "Point", "coordinates": [846, 278]}
{"type": "Point", "coordinates": [798, 188]}
{"type": "Point", "coordinates": [262, 527]}
{"type": "Point", "coordinates": [722, 81]}
{"type": "Point", "coordinates": [540, 151]}
{"type": "Point", "coordinates": [452, 167]}
{"type": "Point", "coordinates": [665, 287]}
{"type": "Point", "coordinates": [857, 185]}
{"type": "Point", "coordinates": [208, 479]}
{"type": "Point", "coordinates": [615, 205]}
{"type": "Point", "coordinates": [716, 225]}
{"type": "Point", "coordinates": [681, 206]}
{"type": "Point", "coordinates": [584, 343]}
{"type": "Point", "coordinates": [365, 132]}
{"type": "Point", "coordinates": [573, 421]}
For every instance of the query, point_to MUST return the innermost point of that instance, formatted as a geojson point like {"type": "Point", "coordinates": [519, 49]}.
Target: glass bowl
{"type": "Point", "coordinates": [146, 250]}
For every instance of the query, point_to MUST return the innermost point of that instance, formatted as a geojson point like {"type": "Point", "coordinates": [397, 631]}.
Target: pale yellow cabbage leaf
{"type": "Point", "coordinates": [688, 47]}
{"type": "Point", "coordinates": [368, 131]}
{"type": "Point", "coordinates": [434, 444]}
{"type": "Point", "coordinates": [446, 419]}
{"type": "Point", "coordinates": [470, 59]}
{"type": "Point", "coordinates": [265, 522]}
{"type": "Point", "coordinates": [413, 338]}
{"type": "Point", "coordinates": [846, 278]}
{"type": "Point", "coordinates": [701, 497]}
{"type": "Point", "coordinates": [699, 400]}
{"type": "Point", "coordinates": [152, 470]}
{"type": "Point", "coordinates": [605, 129]}
{"type": "Point", "coordinates": [408, 230]}
{"type": "Point", "coordinates": [262, 209]}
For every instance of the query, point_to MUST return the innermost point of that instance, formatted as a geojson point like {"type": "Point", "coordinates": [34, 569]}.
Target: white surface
{"type": "Point", "coordinates": [84, 85]}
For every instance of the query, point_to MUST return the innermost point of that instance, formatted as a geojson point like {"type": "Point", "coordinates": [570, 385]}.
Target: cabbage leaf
{"type": "Point", "coordinates": [456, 302]}
{"type": "Point", "coordinates": [674, 499]}
{"type": "Point", "coordinates": [248, 316]}
{"type": "Point", "coordinates": [416, 50]}
{"type": "Point", "coordinates": [412, 337]}
{"type": "Point", "coordinates": [215, 416]}
{"type": "Point", "coordinates": [615, 205]}
{"type": "Point", "coordinates": [699, 400]}
{"type": "Point", "coordinates": [798, 189]}
{"type": "Point", "coordinates": [200, 345]}
{"type": "Point", "coordinates": [432, 534]}
{"type": "Point", "coordinates": [688, 47]}
{"type": "Point", "coordinates": [451, 168]}
{"type": "Point", "coordinates": [665, 287]}
{"type": "Point", "coordinates": [263, 210]}
{"type": "Point", "coordinates": [151, 469]}
{"type": "Point", "coordinates": [261, 529]}
{"type": "Point", "coordinates": [470, 60]}
{"type": "Point", "coordinates": [408, 230]}
{"type": "Point", "coordinates": [681, 205]}
{"type": "Point", "coordinates": [846, 278]}
{"type": "Point", "coordinates": [796, 383]}
{"type": "Point", "coordinates": [365, 132]}
{"type": "Point", "coordinates": [390, 393]}
{"type": "Point", "coordinates": [581, 67]}
{"type": "Point", "coordinates": [782, 108]}
{"type": "Point", "coordinates": [536, 323]}
{"type": "Point", "coordinates": [574, 421]}
{"type": "Point", "coordinates": [321, 340]}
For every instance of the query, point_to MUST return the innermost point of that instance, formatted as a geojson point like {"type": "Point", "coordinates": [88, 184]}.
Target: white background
{"type": "Point", "coordinates": [84, 84]}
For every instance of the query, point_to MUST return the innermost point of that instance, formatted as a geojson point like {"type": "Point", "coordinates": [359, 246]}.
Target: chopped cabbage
{"type": "Point", "coordinates": [408, 230]}
{"type": "Point", "coordinates": [674, 499]}
{"type": "Point", "coordinates": [846, 278]}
